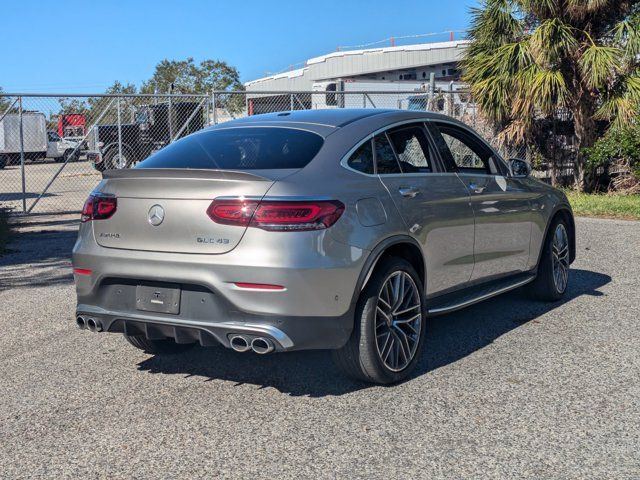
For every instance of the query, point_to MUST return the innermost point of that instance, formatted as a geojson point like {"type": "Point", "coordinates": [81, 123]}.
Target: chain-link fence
{"type": "Point", "coordinates": [54, 147]}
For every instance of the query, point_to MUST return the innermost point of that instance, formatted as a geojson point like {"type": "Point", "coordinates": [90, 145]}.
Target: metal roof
{"type": "Point", "coordinates": [361, 62]}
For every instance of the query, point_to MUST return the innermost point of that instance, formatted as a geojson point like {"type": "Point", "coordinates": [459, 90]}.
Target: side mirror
{"type": "Point", "coordinates": [519, 168]}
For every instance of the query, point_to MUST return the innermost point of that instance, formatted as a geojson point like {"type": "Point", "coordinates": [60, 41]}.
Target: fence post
{"type": "Point", "coordinates": [169, 116]}
{"type": "Point", "coordinates": [24, 183]}
{"type": "Point", "coordinates": [208, 114]}
{"type": "Point", "coordinates": [432, 91]}
{"type": "Point", "coordinates": [119, 134]}
{"type": "Point", "coordinates": [215, 110]}
{"type": "Point", "coordinates": [291, 101]}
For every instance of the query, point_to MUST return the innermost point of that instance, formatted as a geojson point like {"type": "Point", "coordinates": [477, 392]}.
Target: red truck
{"type": "Point", "coordinates": [72, 126]}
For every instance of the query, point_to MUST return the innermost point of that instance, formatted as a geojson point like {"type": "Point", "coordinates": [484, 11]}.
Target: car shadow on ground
{"type": "Point", "coordinates": [13, 196]}
{"type": "Point", "coordinates": [450, 338]}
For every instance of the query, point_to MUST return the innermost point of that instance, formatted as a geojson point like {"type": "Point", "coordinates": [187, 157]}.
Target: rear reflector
{"type": "Point", "coordinates": [99, 207]}
{"type": "Point", "coordinates": [283, 216]}
{"type": "Point", "coordinates": [258, 286]}
{"type": "Point", "coordinates": [82, 271]}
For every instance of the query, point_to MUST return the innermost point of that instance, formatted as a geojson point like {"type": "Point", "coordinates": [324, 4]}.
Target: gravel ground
{"type": "Point", "coordinates": [509, 388]}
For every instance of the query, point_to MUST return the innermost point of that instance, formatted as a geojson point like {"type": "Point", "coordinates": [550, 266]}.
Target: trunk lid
{"type": "Point", "coordinates": [165, 210]}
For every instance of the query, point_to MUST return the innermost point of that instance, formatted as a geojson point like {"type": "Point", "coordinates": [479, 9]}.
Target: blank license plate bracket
{"type": "Point", "coordinates": [162, 298]}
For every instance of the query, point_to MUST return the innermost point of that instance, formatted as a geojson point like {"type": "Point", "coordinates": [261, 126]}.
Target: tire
{"type": "Point", "coordinates": [369, 357]}
{"type": "Point", "coordinates": [553, 269]}
{"type": "Point", "coordinates": [111, 159]}
{"type": "Point", "coordinates": [3, 161]}
{"type": "Point", "coordinates": [65, 156]}
{"type": "Point", "coordinates": [158, 347]}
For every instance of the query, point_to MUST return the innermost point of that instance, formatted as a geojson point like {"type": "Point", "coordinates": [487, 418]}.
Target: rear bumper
{"type": "Point", "coordinates": [315, 311]}
{"type": "Point", "coordinates": [287, 333]}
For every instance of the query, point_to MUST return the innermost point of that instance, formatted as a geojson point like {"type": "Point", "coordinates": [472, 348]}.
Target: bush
{"type": "Point", "coordinates": [613, 162]}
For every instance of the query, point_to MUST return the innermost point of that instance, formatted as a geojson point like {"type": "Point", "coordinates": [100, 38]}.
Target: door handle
{"type": "Point", "coordinates": [408, 192]}
{"type": "Point", "coordinates": [475, 188]}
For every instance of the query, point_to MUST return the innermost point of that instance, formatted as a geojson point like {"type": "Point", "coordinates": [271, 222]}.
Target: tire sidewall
{"type": "Point", "coordinates": [110, 156]}
{"type": "Point", "coordinates": [547, 265]}
{"type": "Point", "coordinates": [367, 322]}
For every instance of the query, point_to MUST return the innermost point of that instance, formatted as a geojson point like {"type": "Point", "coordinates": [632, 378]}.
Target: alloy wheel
{"type": "Point", "coordinates": [398, 321]}
{"type": "Point", "coordinates": [560, 258]}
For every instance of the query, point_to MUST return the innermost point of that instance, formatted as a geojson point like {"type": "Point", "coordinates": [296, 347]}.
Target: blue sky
{"type": "Point", "coordinates": [71, 46]}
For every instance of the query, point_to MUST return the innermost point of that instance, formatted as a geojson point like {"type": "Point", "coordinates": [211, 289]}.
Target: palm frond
{"type": "Point", "coordinates": [552, 41]}
{"type": "Point", "coordinates": [515, 132]}
{"type": "Point", "coordinates": [542, 8]}
{"type": "Point", "coordinates": [599, 63]}
{"type": "Point", "coordinates": [626, 34]}
{"type": "Point", "coordinates": [541, 89]}
{"type": "Point", "coordinates": [579, 9]}
{"type": "Point", "coordinates": [493, 24]}
{"type": "Point", "coordinates": [622, 106]}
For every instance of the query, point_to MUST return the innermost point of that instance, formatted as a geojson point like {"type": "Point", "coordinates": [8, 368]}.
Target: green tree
{"type": "Point", "coordinates": [5, 102]}
{"type": "Point", "coordinates": [187, 77]}
{"type": "Point", "coordinates": [531, 59]}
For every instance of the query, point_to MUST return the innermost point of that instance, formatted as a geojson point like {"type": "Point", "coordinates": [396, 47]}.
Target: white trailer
{"type": "Point", "coordinates": [34, 137]}
{"type": "Point", "coordinates": [409, 95]}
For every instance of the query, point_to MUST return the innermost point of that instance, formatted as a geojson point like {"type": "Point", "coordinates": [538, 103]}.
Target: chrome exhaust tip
{"type": "Point", "coordinates": [239, 343]}
{"type": "Point", "coordinates": [81, 322]}
{"type": "Point", "coordinates": [262, 345]}
{"type": "Point", "coordinates": [94, 325]}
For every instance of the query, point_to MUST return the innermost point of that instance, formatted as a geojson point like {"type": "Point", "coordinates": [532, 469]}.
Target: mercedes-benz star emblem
{"type": "Point", "coordinates": [156, 215]}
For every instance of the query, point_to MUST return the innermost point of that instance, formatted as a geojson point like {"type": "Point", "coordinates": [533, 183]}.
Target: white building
{"type": "Point", "coordinates": [399, 68]}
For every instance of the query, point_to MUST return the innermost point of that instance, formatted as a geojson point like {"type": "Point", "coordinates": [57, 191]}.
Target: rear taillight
{"type": "Point", "coordinates": [99, 207]}
{"type": "Point", "coordinates": [276, 215]}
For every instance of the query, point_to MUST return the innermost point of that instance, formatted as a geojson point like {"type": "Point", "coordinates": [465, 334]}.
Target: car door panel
{"type": "Point", "coordinates": [502, 224]}
{"type": "Point", "coordinates": [436, 211]}
{"type": "Point", "coordinates": [501, 204]}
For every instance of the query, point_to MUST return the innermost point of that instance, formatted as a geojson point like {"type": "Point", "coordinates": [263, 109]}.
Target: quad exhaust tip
{"type": "Point", "coordinates": [262, 345]}
{"type": "Point", "coordinates": [259, 345]}
{"type": "Point", "coordinates": [89, 323]}
{"type": "Point", "coordinates": [239, 343]}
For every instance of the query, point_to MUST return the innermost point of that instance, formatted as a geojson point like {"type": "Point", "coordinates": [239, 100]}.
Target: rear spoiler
{"type": "Point", "coordinates": [184, 173]}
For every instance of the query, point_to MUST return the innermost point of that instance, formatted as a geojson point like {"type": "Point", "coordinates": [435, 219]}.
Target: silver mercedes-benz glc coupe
{"type": "Point", "coordinates": [320, 229]}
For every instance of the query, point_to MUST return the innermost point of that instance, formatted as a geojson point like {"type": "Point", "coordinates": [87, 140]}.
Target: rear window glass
{"type": "Point", "coordinates": [250, 148]}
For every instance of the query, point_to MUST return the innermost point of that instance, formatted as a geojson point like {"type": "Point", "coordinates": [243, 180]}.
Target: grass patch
{"type": "Point", "coordinates": [604, 206]}
{"type": "Point", "coordinates": [5, 230]}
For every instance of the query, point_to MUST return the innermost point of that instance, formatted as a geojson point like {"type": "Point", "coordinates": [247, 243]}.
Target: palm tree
{"type": "Point", "coordinates": [530, 59]}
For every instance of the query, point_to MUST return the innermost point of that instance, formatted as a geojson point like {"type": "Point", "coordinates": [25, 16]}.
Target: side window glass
{"type": "Point", "coordinates": [362, 159]}
{"type": "Point", "coordinates": [411, 146]}
{"type": "Point", "coordinates": [463, 156]}
{"type": "Point", "coordinates": [463, 151]}
{"type": "Point", "coordinates": [385, 158]}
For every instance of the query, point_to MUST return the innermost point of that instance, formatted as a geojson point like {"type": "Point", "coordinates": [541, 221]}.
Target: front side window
{"type": "Point", "coordinates": [385, 158]}
{"type": "Point", "coordinates": [412, 149]}
{"type": "Point", "coordinates": [249, 148]}
{"type": "Point", "coordinates": [463, 151]}
{"type": "Point", "coordinates": [362, 159]}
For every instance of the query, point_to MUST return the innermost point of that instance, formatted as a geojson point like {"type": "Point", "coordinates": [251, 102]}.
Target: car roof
{"type": "Point", "coordinates": [326, 121]}
{"type": "Point", "coordinates": [333, 117]}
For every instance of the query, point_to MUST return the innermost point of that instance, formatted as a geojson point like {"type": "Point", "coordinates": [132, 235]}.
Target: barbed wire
{"type": "Point", "coordinates": [402, 37]}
